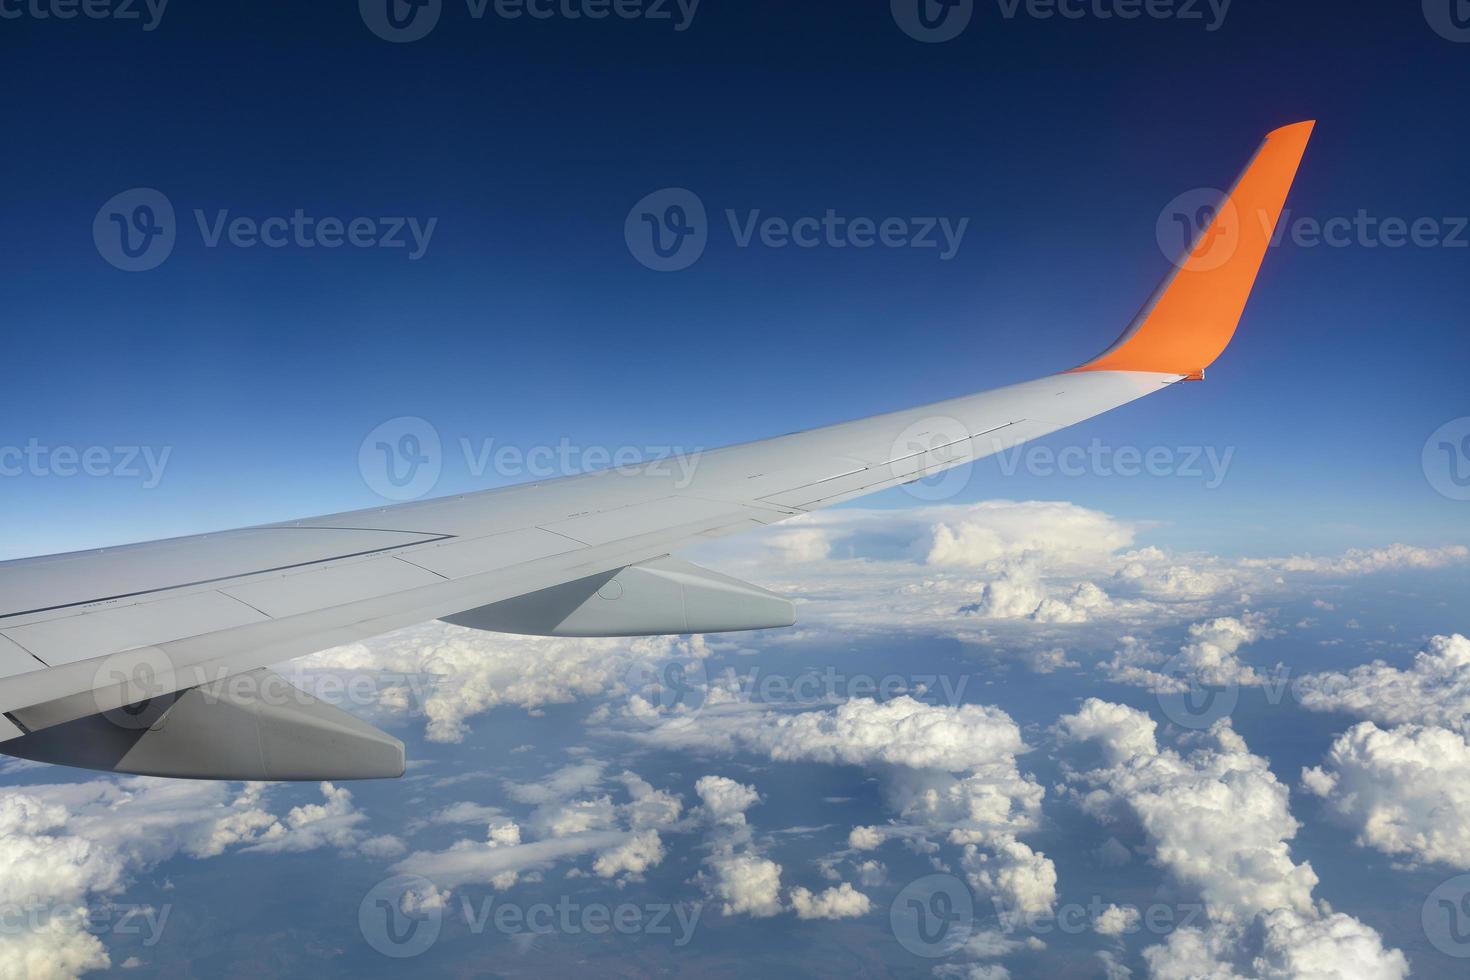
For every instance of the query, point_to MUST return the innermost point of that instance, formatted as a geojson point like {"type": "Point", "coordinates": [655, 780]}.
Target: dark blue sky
{"type": "Point", "coordinates": [527, 319]}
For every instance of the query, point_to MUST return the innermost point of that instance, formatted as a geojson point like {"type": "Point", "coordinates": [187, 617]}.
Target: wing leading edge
{"type": "Point", "coordinates": [154, 630]}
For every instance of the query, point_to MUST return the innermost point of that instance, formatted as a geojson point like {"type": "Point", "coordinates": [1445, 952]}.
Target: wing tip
{"type": "Point", "coordinates": [1300, 130]}
{"type": "Point", "coordinates": [1194, 314]}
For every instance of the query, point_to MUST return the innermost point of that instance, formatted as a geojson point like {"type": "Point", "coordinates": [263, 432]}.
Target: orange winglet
{"type": "Point", "coordinates": [1194, 312]}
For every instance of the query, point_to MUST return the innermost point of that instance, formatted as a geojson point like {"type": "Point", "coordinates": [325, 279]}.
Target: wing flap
{"type": "Point", "coordinates": [255, 725]}
{"type": "Point", "coordinates": [315, 588]}
{"type": "Point", "coordinates": [82, 636]}
{"type": "Point", "coordinates": [133, 572]}
{"type": "Point", "coordinates": [663, 597]}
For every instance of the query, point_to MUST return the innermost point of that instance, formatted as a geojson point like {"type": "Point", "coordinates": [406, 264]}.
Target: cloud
{"type": "Point", "coordinates": [1020, 879]}
{"type": "Point", "coordinates": [841, 902]}
{"type": "Point", "coordinates": [972, 971]}
{"type": "Point", "coordinates": [725, 800]}
{"type": "Point", "coordinates": [1048, 661]}
{"type": "Point", "coordinates": [66, 847]}
{"type": "Point", "coordinates": [1016, 576]}
{"type": "Point", "coordinates": [1406, 790]}
{"type": "Point", "coordinates": [745, 884]}
{"type": "Point", "coordinates": [335, 822]}
{"type": "Point", "coordinates": [899, 732]}
{"type": "Point", "coordinates": [623, 837]}
{"type": "Point", "coordinates": [740, 878]}
{"type": "Point", "coordinates": [502, 857]}
{"type": "Point", "coordinates": [649, 807]}
{"type": "Point", "coordinates": [449, 674]}
{"type": "Point", "coordinates": [640, 852]}
{"type": "Point", "coordinates": [1434, 691]}
{"type": "Point", "coordinates": [799, 544]}
{"type": "Point", "coordinates": [1019, 579]}
{"type": "Point", "coordinates": [1112, 968]}
{"type": "Point", "coordinates": [1208, 657]}
{"type": "Point", "coordinates": [1218, 821]}
{"type": "Point", "coordinates": [463, 812]}
{"type": "Point", "coordinates": [999, 530]}
{"type": "Point", "coordinates": [562, 784]}
{"type": "Point", "coordinates": [1357, 561]}
{"type": "Point", "coordinates": [945, 771]}
{"type": "Point", "coordinates": [1115, 920]}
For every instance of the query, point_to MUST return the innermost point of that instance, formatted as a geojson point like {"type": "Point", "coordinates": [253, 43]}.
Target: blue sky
{"type": "Point", "coordinates": [527, 320]}
{"type": "Point", "coordinates": [1300, 532]}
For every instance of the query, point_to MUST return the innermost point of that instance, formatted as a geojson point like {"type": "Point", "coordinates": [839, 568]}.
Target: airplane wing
{"type": "Point", "coordinates": [153, 657]}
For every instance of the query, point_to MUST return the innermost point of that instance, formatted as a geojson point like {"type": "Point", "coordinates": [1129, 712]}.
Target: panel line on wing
{"type": "Point", "coordinates": [221, 578]}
